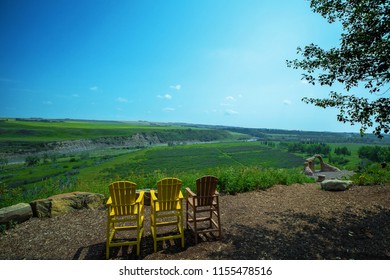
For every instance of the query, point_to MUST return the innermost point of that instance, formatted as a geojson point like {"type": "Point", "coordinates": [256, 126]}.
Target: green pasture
{"type": "Point", "coordinates": [145, 167]}
{"type": "Point", "coordinates": [200, 157]}
{"type": "Point", "coordinates": [45, 131]}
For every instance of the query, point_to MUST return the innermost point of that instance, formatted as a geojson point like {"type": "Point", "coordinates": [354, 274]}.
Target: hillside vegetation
{"type": "Point", "coordinates": [39, 158]}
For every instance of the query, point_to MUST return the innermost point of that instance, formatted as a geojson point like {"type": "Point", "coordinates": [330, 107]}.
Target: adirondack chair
{"type": "Point", "coordinates": [125, 213]}
{"type": "Point", "coordinates": [166, 210]}
{"type": "Point", "coordinates": [202, 211]}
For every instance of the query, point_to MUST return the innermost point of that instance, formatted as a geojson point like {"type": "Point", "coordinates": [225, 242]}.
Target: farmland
{"type": "Point", "coordinates": [56, 156]}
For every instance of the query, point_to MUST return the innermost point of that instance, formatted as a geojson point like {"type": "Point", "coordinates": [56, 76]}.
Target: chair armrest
{"type": "Point", "coordinates": [153, 196]}
{"type": "Point", "coordinates": [191, 193]}
{"type": "Point", "coordinates": [140, 197]}
{"type": "Point", "coordinates": [109, 201]}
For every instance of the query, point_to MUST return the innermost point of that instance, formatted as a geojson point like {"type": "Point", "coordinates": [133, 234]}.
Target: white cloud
{"type": "Point", "coordinates": [75, 95]}
{"type": "Point", "coordinates": [230, 98]}
{"type": "Point", "coordinates": [94, 88]}
{"type": "Point", "coordinates": [166, 96]}
{"type": "Point", "coordinates": [122, 100]}
{"type": "Point", "coordinates": [230, 112]}
{"type": "Point", "coordinates": [176, 87]}
{"type": "Point", "coordinates": [48, 103]}
{"type": "Point", "coordinates": [287, 102]}
{"type": "Point", "coordinates": [168, 109]}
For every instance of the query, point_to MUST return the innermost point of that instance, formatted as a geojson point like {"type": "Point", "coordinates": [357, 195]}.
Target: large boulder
{"type": "Point", "coordinates": [67, 202]}
{"type": "Point", "coordinates": [17, 213]}
{"type": "Point", "coordinates": [335, 185]}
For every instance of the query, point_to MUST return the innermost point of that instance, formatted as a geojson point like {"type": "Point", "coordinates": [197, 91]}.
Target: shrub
{"type": "Point", "coordinates": [234, 180]}
{"type": "Point", "coordinates": [32, 160]}
{"type": "Point", "coordinates": [374, 174]}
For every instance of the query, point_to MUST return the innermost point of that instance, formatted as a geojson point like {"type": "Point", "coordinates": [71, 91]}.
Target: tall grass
{"type": "Point", "coordinates": [231, 180]}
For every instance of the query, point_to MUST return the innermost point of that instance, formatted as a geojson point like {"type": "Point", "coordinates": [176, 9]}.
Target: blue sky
{"type": "Point", "coordinates": [205, 61]}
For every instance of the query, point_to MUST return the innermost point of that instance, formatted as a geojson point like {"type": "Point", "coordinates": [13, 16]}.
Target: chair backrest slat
{"type": "Point", "coordinates": [205, 189]}
{"type": "Point", "coordinates": [123, 195]}
{"type": "Point", "coordinates": [168, 190]}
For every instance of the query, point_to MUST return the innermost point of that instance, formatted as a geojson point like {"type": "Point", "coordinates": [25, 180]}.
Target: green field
{"type": "Point", "coordinates": [46, 131]}
{"type": "Point", "coordinates": [200, 157]}
{"type": "Point", "coordinates": [240, 165]}
{"type": "Point", "coordinates": [86, 172]}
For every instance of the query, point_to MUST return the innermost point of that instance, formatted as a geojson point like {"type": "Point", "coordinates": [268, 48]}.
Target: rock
{"type": "Point", "coordinates": [17, 213]}
{"type": "Point", "coordinates": [307, 170]}
{"type": "Point", "coordinates": [321, 178]}
{"type": "Point", "coordinates": [41, 208]}
{"type": "Point", "coordinates": [67, 202]}
{"type": "Point", "coordinates": [310, 165]}
{"type": "Point", "coordinates": [335, 185]}
{"type": "Point", "coordinates": [63, 203]}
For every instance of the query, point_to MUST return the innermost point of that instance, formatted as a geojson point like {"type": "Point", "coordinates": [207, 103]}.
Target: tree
{"type": "Point", "coordinates": [362, 59]}
{"type": "Point", "coordinates": [3, 162]}
{"type": "Point", "coordinates": [342, 151]}
{"type": "Point", "coordinates": [31, 160]}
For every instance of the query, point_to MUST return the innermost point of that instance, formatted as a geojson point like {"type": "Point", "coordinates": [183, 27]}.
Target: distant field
{"type": "Point", "coordinates": [16, 130]}
{"type": "Point", "coordinates": [201, 157]}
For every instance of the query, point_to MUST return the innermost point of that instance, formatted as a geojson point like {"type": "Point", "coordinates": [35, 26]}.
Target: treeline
{"type": "Point", "coordinates": [202, 135]}
{"type": "Point", "coordinates": [375, 153]}
{"type": "Point", "coordinates": [308, 148]}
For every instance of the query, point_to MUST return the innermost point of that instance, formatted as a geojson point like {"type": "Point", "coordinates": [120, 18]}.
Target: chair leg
{"type": "Point", "coordinates": [219, 223]}
{"type": "Point", "coordinates": [108, 241]}
{"type": "Point", "coordinates": [195, 227]}
{"type": "Point", "coordinates": [153, 229]}
{"type": "Point", "coordinates": [187, 214]}
{"type": "Point", "coordinates": [181, 228]}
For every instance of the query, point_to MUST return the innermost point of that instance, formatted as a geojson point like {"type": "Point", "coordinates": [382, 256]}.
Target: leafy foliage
{"type": "Point", "coordinates": [374, 174]}
{"type": "Point", "coordinates": [342, 151]}
{"type": "Point", "coordinates": [361, 59]}
{"type": "Point", "coordinates": [375, 153]}
{"type": "Point", "coordinates": [311, 149]}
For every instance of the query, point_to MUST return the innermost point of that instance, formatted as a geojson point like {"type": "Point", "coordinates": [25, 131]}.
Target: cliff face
{"type": "Point", "coordinates": [17, 151]}
{"type": "Point", "coordinates": [16, 155]}
{"type": "Point", "coordinates": [137, 140]}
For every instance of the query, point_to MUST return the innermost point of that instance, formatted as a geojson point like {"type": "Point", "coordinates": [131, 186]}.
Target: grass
{"type": "Point", "coordinates": [47, 131]}
{"type": "Point", "coordinates": [241, 166]}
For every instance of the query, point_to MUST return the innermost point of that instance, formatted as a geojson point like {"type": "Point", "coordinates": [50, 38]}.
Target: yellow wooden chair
{"type": "Point", "coordinates": [202, 213]}
{"type": "Point", "coordinates": [166, 209]}
{"type": "Point", "coordinates": [125, 213]}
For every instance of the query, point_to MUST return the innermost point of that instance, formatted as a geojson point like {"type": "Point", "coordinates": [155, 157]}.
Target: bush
{"type": "Point", "coordinates": [32, 160]}
{"type": "Point", "coordinates": [235, 180]}
{"type": "Point", "coordinates": [374, 174]}
{"type": "Point", "coordinates": [231, 180]}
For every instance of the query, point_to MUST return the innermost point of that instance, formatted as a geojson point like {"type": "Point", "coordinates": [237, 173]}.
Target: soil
{"type": "Point", "coordinates": [281, 223]}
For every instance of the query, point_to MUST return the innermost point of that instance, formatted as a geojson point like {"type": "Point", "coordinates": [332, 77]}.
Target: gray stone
{"type": "Point", "coordinates": [67, 202]}
{"type": "Point", "coordinates": [41, 208]}
{"type": "Point", "coordinates": [335, 185]}
{"type": "Point", "coordinates": [17, 213]}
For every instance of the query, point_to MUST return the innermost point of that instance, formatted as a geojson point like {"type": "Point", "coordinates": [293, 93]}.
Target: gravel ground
{"type": "Point", "coordinates": [281, 223]}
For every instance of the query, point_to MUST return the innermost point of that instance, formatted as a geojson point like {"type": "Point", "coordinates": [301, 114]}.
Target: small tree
{"type": "Point", "coordinates": [362, 59]}
{"type": "Point", "coordinates": [31, 160]}
{"type": "Point", "coordinates": [3, 162]}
